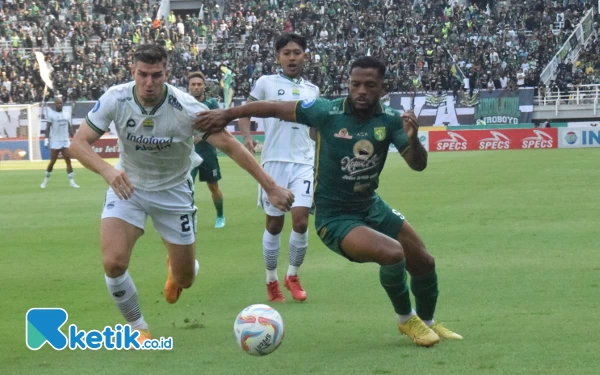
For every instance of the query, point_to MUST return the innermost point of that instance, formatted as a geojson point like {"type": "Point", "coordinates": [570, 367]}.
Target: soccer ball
{"type": "Point", "coordinates": [258, 329]}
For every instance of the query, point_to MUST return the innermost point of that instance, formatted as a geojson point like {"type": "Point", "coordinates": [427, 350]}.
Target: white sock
{"type": "Point", "coordinates": [271, 275]}
{"type": "Point", "coordinates": [48, 174]}
{"type": "Point", "coordinates": [292, 270]}
{"type": "Point", "coordinates": [196, 267]}
{"type": "Point", "coordinates": [298, 246]}
{"type": "Point", "coordinates": [403, 318]}
{"type": "Point", "coordinates": [123, 291]}
{"type": "Point", "coordinates": [271, 245]}
{"type": "Point", "coordinates": [71, 176]}
{"type": "Point", "coordinates": [429, 323]}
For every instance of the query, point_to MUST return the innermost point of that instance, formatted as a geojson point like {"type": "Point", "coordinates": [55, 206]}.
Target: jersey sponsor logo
{"type": "Point", "coordinates": [125, 99]}
{"type": "Point", "coordinates": [456, 142]}
{"type": "Point", "coordinates": [379, 133]}
{"type": "Point", "coordinates": [336, 112]}
{"type": "Point", "coordinates": [343, 133]}
{"type": "Point", "coordinates": [280, 92]}
{"type": "Point", "coordinates": [498, 141]}
{"type": "Point", "coordinates": [150, 143]}
{"type": "Point", "coordinates": [391, 112]}
{"type": "Point", "coordinates": [307, 103]}
{"type": "Point", "coordinates": [96, 107]}
{"type": "Point", "coordinates": [360, 187]}
{"type": "Point", "coordinates": [175, 103]}
{"type": "Point", "coordinates": [130, 123]}
{"type": "Point", "coordinates": [364, 159]}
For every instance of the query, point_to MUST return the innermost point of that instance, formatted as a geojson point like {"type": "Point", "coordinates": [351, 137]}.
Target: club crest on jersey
{"type": "Point", "coordinates": [296, 91]}
{"type": "Point", "coordinates": [280, 92]}
{"type": "Point", "coordinates": [175, 103]}
{"type": "Point", "coordinates": [379, 133]}
{"type": "Point", "coordinates": [148, 123]}
{"type": "Point", "coordinates": [307, 103]}
{"type": "Point", "coordinates": [343, 133]}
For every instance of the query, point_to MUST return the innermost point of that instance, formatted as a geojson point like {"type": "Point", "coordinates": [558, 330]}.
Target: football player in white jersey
{"type": "Point", "coordinates": [288, 157]}
{"type": "Point", "coordinates": [154, 125]}
{"type": "Point", "coordinates": [58, 133]}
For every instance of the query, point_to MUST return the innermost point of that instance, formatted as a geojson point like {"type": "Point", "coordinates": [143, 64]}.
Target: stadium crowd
{"type": "Point", "coordinates": [428, 45]}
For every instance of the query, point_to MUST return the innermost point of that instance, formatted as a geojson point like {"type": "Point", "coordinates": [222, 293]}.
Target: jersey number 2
{"type": "Point", "coordinates": [185, 223]}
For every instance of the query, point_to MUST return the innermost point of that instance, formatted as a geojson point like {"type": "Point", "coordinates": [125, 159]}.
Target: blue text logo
{"type": "Point", "coordinates": [43, 326]}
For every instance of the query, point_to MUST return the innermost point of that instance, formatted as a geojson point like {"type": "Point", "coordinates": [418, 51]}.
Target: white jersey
{"type": "Point", "coordinates": [285, 142]}
{"type": "Point", "coordinates": [59, 126]}
{"type": "Point", "coordinates": [156, 148]}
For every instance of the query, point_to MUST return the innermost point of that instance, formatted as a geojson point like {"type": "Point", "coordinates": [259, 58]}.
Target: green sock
{"type": "Point", "coordinates": [393, 280]}
{"type": "Point", "coordinates": [219, 207]}
{"type": "Point", "coordinates": [425, 290]}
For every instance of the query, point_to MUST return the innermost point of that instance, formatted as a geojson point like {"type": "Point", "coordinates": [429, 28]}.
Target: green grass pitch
{"type": "Point", "coordinates": [514, 233]}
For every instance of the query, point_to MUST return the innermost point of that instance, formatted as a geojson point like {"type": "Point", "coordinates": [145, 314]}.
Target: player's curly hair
{"type": "Point", "coordinates": [150, 54]}
{"type": "Point", "coordinates": [369, 62]}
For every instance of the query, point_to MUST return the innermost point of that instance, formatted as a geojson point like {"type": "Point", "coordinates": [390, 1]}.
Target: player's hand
{"type": "Point", "coordinates": [411, 124]}
{"type": "Point", "coordinates": [119, 182]}
{"type": "Point", "coordinates": [46, 141]}
{"type": "Point", "coordinates": [281, 198]}
{"type": "Point", "coordinates": [212, 121]}
{"type": "Point", "coordinates": [251, 144]}
{"type": "Point", "coordinates": [197, 139]}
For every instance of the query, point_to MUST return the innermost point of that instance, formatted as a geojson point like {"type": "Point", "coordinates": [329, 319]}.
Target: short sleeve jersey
{"type": "Point", "coordinates": [351, 151]}
{"type": "Point", "coordinates": [155, 144]}
{"type": "Point", "coordinates": [285, 142]}
{"type": "Point", "coordinates": [59, 126]}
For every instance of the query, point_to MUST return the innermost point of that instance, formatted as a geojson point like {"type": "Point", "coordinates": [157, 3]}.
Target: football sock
{"type": "Point", "coordinates": [298, 246]}
{"type": "Point", "coordinates": [429, 323]}
{"type": "Point", "coordinates": [404, 317]}
{"type": "Point", "coordinates": [393, 280]}
{"type": "Point", "coordinates": [425, 290]}
{"type": "Point", "coordinates": [271, 244]}
{"type": "Point", "coordinates": [124, 294]}
{"type": "Point", "coordinates": [196, 267]}
{"type": "Point", "coordinates": [71, 176]}
{"type": "Point", "coordinates": [219, 207]}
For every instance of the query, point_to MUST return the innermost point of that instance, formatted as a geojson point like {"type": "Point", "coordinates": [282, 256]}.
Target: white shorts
{"type": "Point", "coordinates": [57, 145]}
{"type": "Point", "coordinates": [172, 211]}
{"type": "Point", "coordinates": [296, 177]}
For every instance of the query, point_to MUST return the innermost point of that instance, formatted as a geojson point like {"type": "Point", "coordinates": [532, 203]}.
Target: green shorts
{"type": "Point", "coordinates": [334, 227]}
{"type": "Point", "coordinates": [209, 171]}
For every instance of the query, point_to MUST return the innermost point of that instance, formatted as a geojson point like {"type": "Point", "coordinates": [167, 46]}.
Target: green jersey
{"type": "Point", "coordinates": [204, 146]}
{"type": "Point", "coordinates": [350, 152]}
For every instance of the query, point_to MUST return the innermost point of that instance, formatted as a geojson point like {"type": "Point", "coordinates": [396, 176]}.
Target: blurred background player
{"type": "Point", "coordinates": [288, 157]}
{"type": "Point", "coordinates": [58, 133]}
{"type": "Point", "coordinates": [209, 171]}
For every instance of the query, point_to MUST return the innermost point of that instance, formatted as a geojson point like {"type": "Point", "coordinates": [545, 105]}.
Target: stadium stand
{"type": "Point", "coordinates": [428, 45]}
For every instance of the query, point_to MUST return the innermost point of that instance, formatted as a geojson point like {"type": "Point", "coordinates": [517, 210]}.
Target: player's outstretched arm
{"type": "Point", "coordinates": [81, 149]}
{"type": "Point", "coordinates": [215, 120]}
{"type": "Point", "coordinates": [415, 155]}
{"type": "Point", "coordinates": [278, 196]}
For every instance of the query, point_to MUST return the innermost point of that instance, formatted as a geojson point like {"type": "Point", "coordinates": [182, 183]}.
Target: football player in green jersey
{"type": "Point", "coordinates": [209, 170]}
{"type": "Point", "coordinates": [353, 138]}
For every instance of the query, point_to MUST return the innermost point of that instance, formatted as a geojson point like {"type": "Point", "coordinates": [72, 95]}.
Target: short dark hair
{"type": "Point", "coordinates": [369, 62]}
{"type": "Point", "coordinates": [150, 54]}
{"type": "Point", "coordinates": [197, 75]}
{"type": "Point", "coordinates": [286, 38]}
